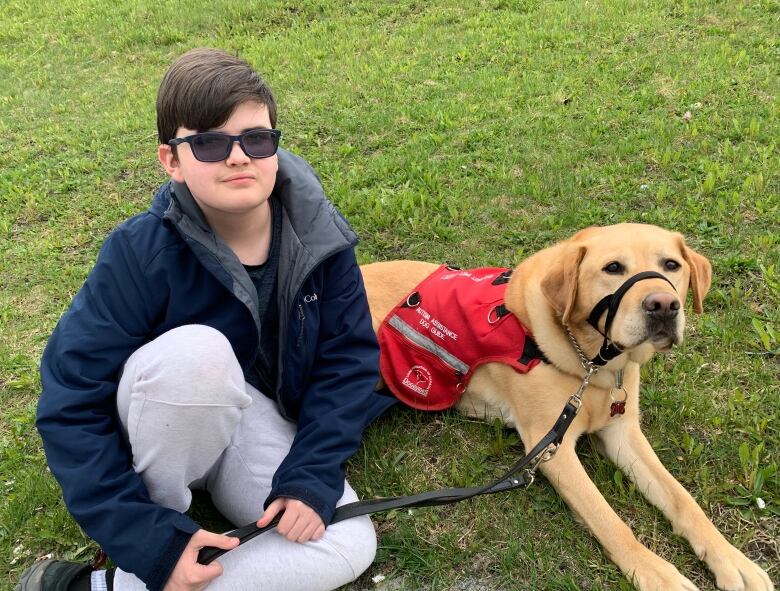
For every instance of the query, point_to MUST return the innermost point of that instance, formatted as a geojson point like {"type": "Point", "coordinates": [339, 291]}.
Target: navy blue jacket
{"type": "Point", "coordinates": [163, 269]}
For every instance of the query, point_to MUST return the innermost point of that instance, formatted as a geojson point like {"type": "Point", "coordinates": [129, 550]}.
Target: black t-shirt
{"type": "Point", "coordinates": [264, 277]}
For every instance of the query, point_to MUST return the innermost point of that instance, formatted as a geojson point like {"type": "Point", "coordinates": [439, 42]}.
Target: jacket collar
{"type": "Point", "coordinates": [189, 207]}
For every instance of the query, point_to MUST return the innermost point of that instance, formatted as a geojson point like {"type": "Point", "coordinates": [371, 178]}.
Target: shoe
{"type": "Point", "coordinates": [52, 575]}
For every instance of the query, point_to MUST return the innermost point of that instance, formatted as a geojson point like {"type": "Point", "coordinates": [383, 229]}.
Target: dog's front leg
{"type": "Point", "coordinates": [625, 444]}
{"type": "Point", "coordinates": [648, 571]}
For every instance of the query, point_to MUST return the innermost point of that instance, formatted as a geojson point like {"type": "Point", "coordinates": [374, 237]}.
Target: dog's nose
{"type": "Point", "coordinates": [662, 305]}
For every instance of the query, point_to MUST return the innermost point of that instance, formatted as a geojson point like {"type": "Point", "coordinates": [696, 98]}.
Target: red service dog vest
{"type": "Point", "coordinates": [453, 322]}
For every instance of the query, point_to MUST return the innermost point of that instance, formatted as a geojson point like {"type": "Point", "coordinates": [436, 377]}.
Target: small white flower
{"type": "Point", "coordinates": [378, 579]}
{"type": "Point", "coordinates": [644, 187]}
{"type": "Point", "coordinates": [17, 553]}
{"type": "Point", "coordinates": [760, 503]}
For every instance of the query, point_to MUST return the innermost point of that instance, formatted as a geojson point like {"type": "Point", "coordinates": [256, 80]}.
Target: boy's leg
{"type": "Point", "coordinates": [240, 485]}
{"type": "Point", "coordinates": [180, 399]}
{"type": "Point", "coordinates": [194, 367]}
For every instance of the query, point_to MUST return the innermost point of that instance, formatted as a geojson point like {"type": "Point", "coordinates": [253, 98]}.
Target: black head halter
{"type": "Point", "coordinates": [611, 303]}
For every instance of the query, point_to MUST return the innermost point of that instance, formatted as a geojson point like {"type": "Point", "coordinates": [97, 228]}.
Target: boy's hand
{"type": "Point", "coordinates": [189, 574]}
{"type": "Point", "coordinates": [300, 523]}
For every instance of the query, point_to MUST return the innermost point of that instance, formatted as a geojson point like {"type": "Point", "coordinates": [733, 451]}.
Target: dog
{"type": "Point", "coordinates": [553, 294]}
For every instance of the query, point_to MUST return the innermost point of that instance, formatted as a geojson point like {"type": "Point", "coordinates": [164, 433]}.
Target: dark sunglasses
{"type": "Point", "coordinates": [213, 146]}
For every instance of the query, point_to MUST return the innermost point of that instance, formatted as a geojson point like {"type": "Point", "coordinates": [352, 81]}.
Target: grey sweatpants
{"type": "Point", "coordinates": [193, 422]}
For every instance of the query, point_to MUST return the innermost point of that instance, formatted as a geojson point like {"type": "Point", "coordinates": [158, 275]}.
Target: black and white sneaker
{"type": "Point", "coordinates": [54, 575]}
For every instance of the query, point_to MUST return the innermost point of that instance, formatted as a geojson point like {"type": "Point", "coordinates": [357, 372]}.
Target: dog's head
{"type": "Point", "coordinates": [597, 261]}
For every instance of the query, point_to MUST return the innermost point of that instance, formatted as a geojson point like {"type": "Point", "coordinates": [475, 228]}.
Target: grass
{"type": "Point", "coordinates": [467, 132]}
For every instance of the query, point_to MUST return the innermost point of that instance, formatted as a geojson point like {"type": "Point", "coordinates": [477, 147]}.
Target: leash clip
{"type": "Point", "coordinates": [529, 474]}
{"type": "Point", "coordinates": [576, 398]}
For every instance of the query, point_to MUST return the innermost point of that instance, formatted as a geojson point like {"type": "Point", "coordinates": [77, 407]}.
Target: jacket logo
{"type": "Point", "coordinates": [310, 298]}
{"type": "Point", "coordinates": [418, 380]}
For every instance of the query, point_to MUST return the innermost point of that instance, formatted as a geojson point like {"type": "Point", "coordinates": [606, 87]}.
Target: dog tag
{"type": "Point", "coordinates": [617, 408]}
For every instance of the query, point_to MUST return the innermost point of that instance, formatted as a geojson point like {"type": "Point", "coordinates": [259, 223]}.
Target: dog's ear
{"type": "Point", "coordinates": [701, 274]}
{"type": "Point", "coordinates": [559, 285]}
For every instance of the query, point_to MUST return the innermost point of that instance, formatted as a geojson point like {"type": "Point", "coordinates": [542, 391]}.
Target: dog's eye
{"type": "Point", "coordinates": [671, 265]}
{"type": "Point", "coordinates": [614, 268]}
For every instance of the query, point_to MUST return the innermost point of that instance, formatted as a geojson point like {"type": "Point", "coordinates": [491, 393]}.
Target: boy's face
{"type": "Point", "coordinates": [235, 186]}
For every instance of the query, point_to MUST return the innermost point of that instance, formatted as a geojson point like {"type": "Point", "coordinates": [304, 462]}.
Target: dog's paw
{"type": "Point", "coordinates": [655, 574]}
{"type": "Point", "coordinates": [736, 572]}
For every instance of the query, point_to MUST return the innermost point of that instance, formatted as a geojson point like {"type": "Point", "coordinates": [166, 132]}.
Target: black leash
{"type": "Point", "coordinates": [542, 451]}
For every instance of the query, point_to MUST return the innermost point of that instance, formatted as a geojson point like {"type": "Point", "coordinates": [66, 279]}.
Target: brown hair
{"type": "Point", "coordinates": [203, 87]}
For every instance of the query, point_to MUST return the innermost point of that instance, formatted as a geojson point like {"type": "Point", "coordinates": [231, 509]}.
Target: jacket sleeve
{"type": "Point", "coordinates": [109, 318]}
{"type": "Point", "coordinates": [339, 400]}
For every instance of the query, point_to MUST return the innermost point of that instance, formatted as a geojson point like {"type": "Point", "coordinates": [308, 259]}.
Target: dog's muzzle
{"type": "Point", "coordinates": [610, 305]}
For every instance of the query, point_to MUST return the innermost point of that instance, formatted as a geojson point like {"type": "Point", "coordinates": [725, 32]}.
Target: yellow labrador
{"type": "Point", "coordinates": [558, 288]}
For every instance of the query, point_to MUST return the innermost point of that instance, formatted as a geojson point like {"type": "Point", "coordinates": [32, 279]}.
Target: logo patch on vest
{"type": "Point", "coordinates": [418, 380]}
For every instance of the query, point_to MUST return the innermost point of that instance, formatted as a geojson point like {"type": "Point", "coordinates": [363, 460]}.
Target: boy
{"type": "Point", "coordinates": [233, 304]}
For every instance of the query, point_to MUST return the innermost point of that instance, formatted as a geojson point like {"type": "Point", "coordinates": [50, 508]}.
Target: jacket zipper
{"type": "Point", "coordinates": [301, 318]}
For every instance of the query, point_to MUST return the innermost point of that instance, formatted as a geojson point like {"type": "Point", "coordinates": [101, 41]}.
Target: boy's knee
{"type": "Point", "coordinates": [196, 347]}
{"type": "Point", "coordinates": [359, 546]}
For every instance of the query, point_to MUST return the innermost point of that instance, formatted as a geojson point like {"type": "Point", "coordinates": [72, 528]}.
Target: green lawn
{"type": "Point", "coordinates": [467, 132]}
